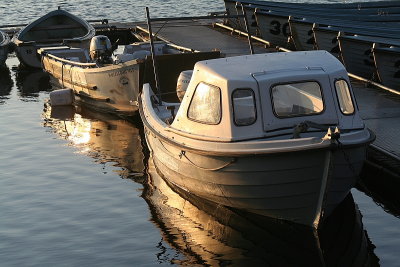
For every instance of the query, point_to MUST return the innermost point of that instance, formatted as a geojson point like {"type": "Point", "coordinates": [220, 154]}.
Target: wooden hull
{"type": "Point", "coordinates": [299, 186]}
{"type": "Point", "coordinates": [113, 87]}
{"type": "Point", "coordinates": [56, 28]}
{"type": "Point", "coordinates": [387, 62]}
{"type": "Point", "coordinates": [28, 56]}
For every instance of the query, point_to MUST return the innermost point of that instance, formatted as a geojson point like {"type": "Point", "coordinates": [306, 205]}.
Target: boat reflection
{"type": "Point", "coordinates": [6, 84]}
{"type": "Point", "coordinates": [211, 234]}
{"type": "Point", "coordinates": [103, 137]}
{"type": "Point", "coordinates": [31, 82]}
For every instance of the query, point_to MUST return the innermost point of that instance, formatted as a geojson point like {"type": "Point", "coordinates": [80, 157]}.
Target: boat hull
{"type": "Point", "coordinates": [187, 221]}
{"type": "Point", "coordinates": [273, 28]}
{"type": "Point", "coordinates": [298, 186]}
{"type": "Point", "coordinates": [357, 56]}
{"type": "Point", "coordinates": [113, 88]}
{"type": "Point", "coordinates": [28, 56]}
{"type": "Point", "coordinates": [387, 61]}
{"type": "Point", "coordinates": [302, 35]}
{"type": "Point", "coordinates": [56, 28]}
{"type": "Point", "coordinates": [326, 40]}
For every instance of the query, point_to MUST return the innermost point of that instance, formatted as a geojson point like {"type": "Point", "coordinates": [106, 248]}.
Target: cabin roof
{"type": "Point", "coordinates": [242, 67]}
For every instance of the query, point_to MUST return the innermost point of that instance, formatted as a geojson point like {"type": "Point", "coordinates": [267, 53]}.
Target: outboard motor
{"type": "Point", "coordinates": [101, 49]}
{"type": "Point", "coordinates": [183, 82]}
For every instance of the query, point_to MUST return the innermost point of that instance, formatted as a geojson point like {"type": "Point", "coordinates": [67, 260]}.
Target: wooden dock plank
{"type": "Point", "coordinates": [381, 113]}
{"type": "Point", "coordinates": [205, 38]}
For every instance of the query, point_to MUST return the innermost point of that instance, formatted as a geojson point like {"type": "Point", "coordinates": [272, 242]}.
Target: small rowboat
{"type": "Point", "coordinates": [387, 62]}
{"type": "Point", "coordinates": [111, 83]}
{"type": "Point", "coordinates": [325, 36]}
{"type": "Point", "coordinates": [57, 28]}
{"type": "Point", "coordinates": [356, 53]}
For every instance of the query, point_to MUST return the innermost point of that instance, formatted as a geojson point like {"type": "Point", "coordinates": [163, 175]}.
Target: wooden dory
{"type": "Point", "coordinates": [113, 86]}
{"type": "Point", "coordinates": [56, 28]}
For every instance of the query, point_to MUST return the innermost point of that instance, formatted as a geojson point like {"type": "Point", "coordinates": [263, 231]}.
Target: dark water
{"type": "Point", "coordinates": [77, 188]}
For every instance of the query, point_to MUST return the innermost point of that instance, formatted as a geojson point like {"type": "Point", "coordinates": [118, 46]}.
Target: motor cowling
{"type": "Point", "coordinates": [100, 48]}
{"type": "Point", "coordinates": [183, 82]}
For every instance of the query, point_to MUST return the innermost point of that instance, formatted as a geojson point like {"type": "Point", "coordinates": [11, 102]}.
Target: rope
{"type": "Point", "coordinates": [183, 153]}
{"type": "Point", "coordinates": [346, 157]}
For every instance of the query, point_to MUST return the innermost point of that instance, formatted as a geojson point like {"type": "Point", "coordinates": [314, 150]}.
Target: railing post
{"type": "Point", "coordinates": [246, 24]}
{"type": "Point", "coordinates": [153, 56]}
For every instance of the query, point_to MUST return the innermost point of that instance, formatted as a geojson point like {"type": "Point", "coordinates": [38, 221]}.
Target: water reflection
{"type": "Point", "coordinates": [31, 82]}
{"type": "Point", "coordinates": [201, 232]}
{"type": "Point", "coordinates": [6, 84]}
{"type": "Point", "coordinates": [101, 136]}
{"type": "Point", "coordinates": [210, 234]}
{"type": "Point", "coordinates": [381, 184]}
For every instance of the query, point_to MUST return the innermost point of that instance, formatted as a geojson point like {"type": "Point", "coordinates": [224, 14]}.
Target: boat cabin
{"type": "Point", "coordinates": [267, 95]}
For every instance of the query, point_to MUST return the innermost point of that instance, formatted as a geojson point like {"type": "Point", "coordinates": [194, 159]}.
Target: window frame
{"type": "Point", "coordinates": [255, 106]}
{"type": "Point", "coordinates": [220, 106]}
{"type": "Point", "coordinates": [301, 115]}
{"type": "Point", "coordinates": [351, 97]}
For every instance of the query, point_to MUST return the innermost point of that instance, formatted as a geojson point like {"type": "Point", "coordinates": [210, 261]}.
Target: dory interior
{"type": "Point", "coordinates": [277, 134]}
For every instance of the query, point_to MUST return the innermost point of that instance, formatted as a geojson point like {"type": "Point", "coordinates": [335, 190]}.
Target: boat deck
{"type": "Point", "coordinates": [380, 109]}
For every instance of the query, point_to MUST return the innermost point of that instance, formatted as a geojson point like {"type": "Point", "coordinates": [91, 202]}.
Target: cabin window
{"type": "Point", "coordinates": [344, 97]}
{"type": "Point", "coordinates": [205, 106]}
{"type": "Point", "coordinates": [244, 107]}
{"type": "Point", "coordinates": [297, 99]}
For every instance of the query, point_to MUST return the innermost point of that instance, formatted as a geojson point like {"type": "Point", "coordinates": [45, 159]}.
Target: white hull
{"type": "Point", "coordinates": [112, 87]}
{"type": "Point", "coordinates": [298, 186]}
{"type": "Point", "coordinates": [211, 233]}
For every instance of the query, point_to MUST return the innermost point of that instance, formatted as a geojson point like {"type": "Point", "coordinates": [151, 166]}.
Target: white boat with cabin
{"type": "Point", "coordinates": [56, 28]}
{"type": "Point", "coordinates": [275, 134]}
